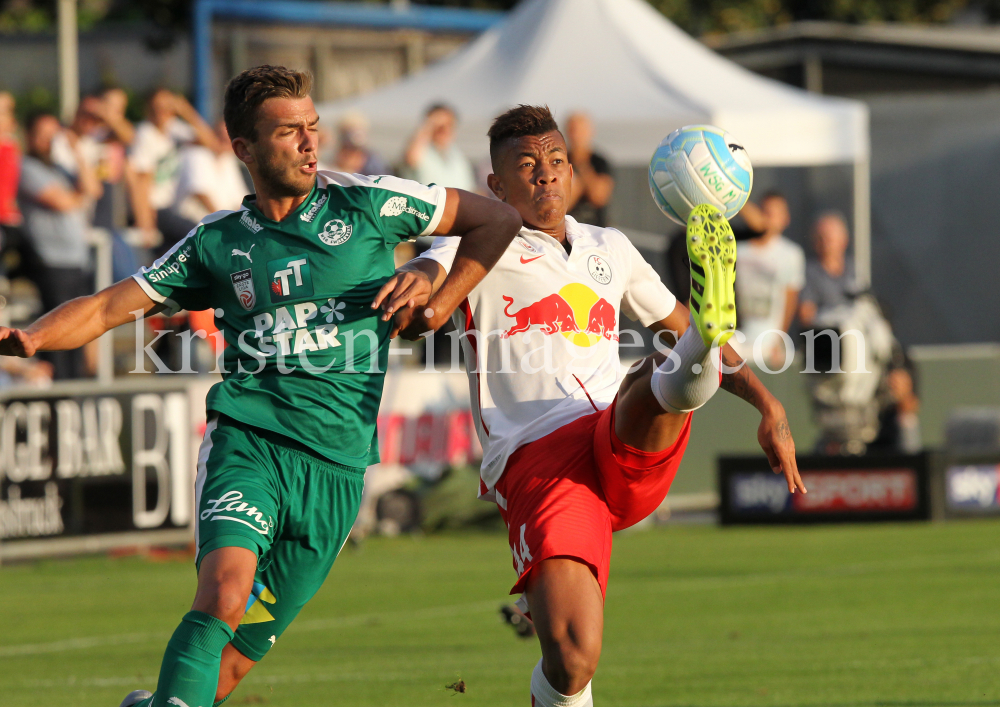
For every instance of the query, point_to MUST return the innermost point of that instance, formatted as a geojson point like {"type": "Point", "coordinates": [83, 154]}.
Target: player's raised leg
{"type": "Point", "coordinates": [650, 418]}
{"type": "Point", "coordinates": [689, 375]}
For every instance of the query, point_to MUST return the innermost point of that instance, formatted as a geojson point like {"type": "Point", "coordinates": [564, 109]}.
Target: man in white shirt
{"type": "Point", "coordinates": [770, 272]}
{"type": "Point", "coordinates": [210, 180]}
{"type": "Point", "coordinates": [432, 155]}
{"type": "Point", "coordinates": [171, 123]}
{"type": "Point", "coordinates": [572, 450]}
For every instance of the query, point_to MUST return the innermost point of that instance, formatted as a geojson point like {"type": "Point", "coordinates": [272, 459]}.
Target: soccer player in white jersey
{"type": "Point", "coordinates": [571, 449]}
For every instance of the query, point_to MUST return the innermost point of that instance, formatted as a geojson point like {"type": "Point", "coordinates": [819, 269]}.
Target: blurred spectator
{"type": "Point", "coordinates": [171, 122]}
{"type": "Point", "coordinates": [593, 184]}
{"type": "Point", "coordinates": [102, 133]}
{"type": "Point", "coordinates": [115, 173]}
{"type": "Point", "coordinates": [54, 207]}
{"type": "Point", "coordinates": [830, 278]}
{"type": "Point", "coordinates": [326, 149]}
{"type": "Point", "coordinates": [24, 371]}
{"type": "Point", "coordinates": [770, 272]}
{"type": "Point", "coordinates": [10, 163]}
{"type": "Point", "coordinates": [353, 155]}
{"type": "Point", "coordinates": [114, 104]}
{"type": "Point", "coordinates": [210, 179]}
{"type": "Point", "coordinates": [432, 155]}
{"type": "Point", "coordinates": [112, 209]}
{"type": "Point", "coordinates": [115, 133]}
{"type": "Point", "coordinates": [899, 422]}
{"type": "Point", "coordinates": [19, 256]}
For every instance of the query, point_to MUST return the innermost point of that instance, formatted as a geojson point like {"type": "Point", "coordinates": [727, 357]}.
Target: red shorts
{"type": "Point", "coordinates": [564, 494]}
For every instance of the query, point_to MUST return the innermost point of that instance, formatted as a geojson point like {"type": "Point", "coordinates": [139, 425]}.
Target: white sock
{"type": "Point", "coordinates": [689, 385]}
{"type": "Point", "coordinates": [544, 695]}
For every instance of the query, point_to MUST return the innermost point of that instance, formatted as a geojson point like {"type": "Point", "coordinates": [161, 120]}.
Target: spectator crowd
{"type": "Point", "coordinates": [143, 187]}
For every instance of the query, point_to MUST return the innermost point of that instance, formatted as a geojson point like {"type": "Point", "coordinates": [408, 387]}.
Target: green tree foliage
{"type": "Point", "coordinates": [40, 15]}
{"type": "Point", "coordinates": [710, 16]}
{"type": "Point", "coordinates": [696, 16]}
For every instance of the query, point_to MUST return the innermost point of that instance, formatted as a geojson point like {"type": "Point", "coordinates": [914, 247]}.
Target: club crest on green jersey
{"type": "Point", "coordinates": [290, 278]}
{"type": "Point", "coordinates": [243, 284]}
{"type": "Point", "coordinates": [335, 232]}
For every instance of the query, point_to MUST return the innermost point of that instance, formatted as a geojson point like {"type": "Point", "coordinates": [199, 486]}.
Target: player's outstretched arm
{"type": "Point", "coordinates": [773, 433]}
{"type": "Point", "coordinates": [486, 227]}
{"type": "Point", "coordinates": [77, 322]}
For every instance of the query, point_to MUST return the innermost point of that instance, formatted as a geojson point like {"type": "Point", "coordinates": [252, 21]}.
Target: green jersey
{"type": "Point", "coordinates": [306, 354]}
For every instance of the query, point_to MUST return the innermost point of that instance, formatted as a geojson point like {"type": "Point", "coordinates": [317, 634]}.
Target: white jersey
{"type": "Point", "coordinates": [547, 343]}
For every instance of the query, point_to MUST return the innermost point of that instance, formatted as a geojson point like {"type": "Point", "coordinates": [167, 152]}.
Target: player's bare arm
{"type": "Point", "coordinates": [79, 321]}
{"type": "Point", "coordinates": [773, 434]}
{"type": "Point", "coordinates": [486, 227]}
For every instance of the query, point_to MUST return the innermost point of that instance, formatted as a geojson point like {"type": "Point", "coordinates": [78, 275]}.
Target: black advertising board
{"type": "Point", "coordinates": [969, 485]}
{"type": "Point", "coordinates": [841, 489]}
{"type": "Point", "coordinates": [79, 460]}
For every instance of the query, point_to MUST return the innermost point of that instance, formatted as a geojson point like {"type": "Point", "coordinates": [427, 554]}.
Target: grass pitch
{"type": "Point", "coordinates": [848, 616]}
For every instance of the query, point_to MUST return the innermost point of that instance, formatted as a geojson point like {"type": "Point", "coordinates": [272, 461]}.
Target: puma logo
{"type": "Point", "coordinates": [237, 251]}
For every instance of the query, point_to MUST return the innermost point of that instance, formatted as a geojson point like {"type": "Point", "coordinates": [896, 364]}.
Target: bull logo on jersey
{"type": "Point", "coordinates": [576, 312]}
{"type": "Point", "coordinates": [335, 232]}
{"type": "Point", "coordinates": [243, 284]}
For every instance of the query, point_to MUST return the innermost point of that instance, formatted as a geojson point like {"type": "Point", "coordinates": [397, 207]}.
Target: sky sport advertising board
{"type": "Point", "coordinates": [840, 489]}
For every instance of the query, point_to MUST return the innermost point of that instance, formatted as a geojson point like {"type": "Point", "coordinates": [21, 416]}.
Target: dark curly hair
{"type": "Point", "coordinates": [249, 89]}
{"type": "Point", "coordinates": [523, 121]}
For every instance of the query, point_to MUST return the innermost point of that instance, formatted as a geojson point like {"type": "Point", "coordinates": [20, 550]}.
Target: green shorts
{"type": "Point", "coordinates": [270, 494]}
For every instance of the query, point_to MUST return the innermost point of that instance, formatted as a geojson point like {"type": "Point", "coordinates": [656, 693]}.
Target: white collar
{"type": "Point", "coordinates": [574, 232]}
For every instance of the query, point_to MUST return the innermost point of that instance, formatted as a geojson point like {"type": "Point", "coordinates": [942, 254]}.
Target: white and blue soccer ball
{"type": "Point", "coordinates": [700, 164]}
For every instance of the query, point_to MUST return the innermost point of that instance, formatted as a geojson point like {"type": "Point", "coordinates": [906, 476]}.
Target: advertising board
{"type": "Point", "coordinates": [81, 459]}
{"type": "Point", "coordinates": [972, 487]}
{"type": "Point", "coordinates": [840, 489]}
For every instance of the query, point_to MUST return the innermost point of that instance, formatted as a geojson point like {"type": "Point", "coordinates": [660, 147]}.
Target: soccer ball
{"type": "Point", "coordinates": [699, 164]}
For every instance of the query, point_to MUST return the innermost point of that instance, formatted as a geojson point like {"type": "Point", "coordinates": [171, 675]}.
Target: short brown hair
{"type": "Point", "coordinates": [249, 89]}
{"type": "Point", "coordinates": [523, 121]}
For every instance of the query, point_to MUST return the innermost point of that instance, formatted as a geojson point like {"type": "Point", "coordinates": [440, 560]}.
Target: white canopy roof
{"type": "Point", "coordinates": [636, 74]}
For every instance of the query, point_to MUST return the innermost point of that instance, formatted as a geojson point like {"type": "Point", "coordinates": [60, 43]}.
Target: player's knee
{"type": "Point", "coordinates": [573, 663]}
{"type": "Point", "coordinates": [225, 601]}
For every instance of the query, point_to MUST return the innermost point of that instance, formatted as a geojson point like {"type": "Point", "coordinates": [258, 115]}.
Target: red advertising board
{"type": "Point", "coordinates": [868, 490]}
{"type": "Point", "coordinates": [841, 489]}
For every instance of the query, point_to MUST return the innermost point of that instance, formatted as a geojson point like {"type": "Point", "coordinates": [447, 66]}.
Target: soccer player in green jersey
{"type": "Point", "coordinates": [302, 282]}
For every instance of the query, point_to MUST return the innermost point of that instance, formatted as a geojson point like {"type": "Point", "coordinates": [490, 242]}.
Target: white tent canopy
{"type": "Point", "coordinates": [638, 77]}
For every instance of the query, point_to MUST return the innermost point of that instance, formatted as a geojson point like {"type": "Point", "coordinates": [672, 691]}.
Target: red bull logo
{"type": "Point", "coordinates": [564, 313]}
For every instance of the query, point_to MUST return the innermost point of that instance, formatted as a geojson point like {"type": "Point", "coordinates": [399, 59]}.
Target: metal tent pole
{"type": "Point", "coordinates": [202, 22]}
{"type": "Point", "coordinates": [862, 223]}
{"type": "Point", "coordinates": [69, 60]}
